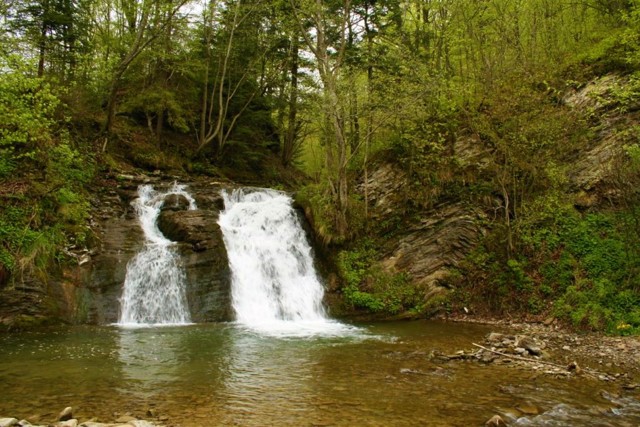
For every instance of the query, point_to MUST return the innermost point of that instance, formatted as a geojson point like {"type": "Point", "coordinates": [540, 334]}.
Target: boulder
{"type": "Point", "coordinates": [205, 261]}
{"type": "Point", "coordinates": [175, 202]}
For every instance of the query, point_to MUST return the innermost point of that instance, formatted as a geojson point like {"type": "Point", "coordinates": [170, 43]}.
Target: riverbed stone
{"type": "Point", "coordinates": [529, 344]}
{"type": "Point", "coordinates": [495, 421]}
{"type": "Point", "coordinates": [66, 414]}
{"type": "Point", "coordinates": [141, 423]}
{"type": "Point", "coordinates": [527, 409]}
{"type": "Point", "coordinates": [8, 422]}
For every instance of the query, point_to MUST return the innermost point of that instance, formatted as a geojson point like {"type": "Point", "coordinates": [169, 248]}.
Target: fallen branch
{"type": "Point", "coordinates": [594, 374]}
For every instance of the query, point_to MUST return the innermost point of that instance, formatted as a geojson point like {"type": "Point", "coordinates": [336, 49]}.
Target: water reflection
{"type": "Point", "coordinates": [149, 358]}
{"type": "Point", "coordinates": [266, 378]}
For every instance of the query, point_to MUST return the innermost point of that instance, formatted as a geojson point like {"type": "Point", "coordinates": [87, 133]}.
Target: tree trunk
{"type": "Point", "coordinates": [292, 124]}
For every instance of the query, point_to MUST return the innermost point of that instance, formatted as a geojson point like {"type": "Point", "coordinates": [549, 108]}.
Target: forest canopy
{"type": "Point", "coordinates": [330, 87]}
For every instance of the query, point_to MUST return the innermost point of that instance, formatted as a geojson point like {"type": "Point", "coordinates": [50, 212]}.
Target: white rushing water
{"type": "Point", "coordinates": [154, 286]}
{"type": "Point", "coordinates": [275, 288]}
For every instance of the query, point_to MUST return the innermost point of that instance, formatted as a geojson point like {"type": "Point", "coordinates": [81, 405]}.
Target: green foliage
{"type": "Point", "coordinates": [367, 286]}
{"type": "Point", "coordinates": [27, 105]}
{"type": "Point", "coordinates": [39, 158]}
{"type": "Point", "coordinates": [317, 200]}
{"type": "Point", "coordinates": [586, 265]}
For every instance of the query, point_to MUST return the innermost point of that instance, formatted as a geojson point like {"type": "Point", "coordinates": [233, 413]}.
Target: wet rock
{"type": "Point", "coordinates": [495, 337]}
{"type": "Point", "coordinates": [495, 421]}
{"type": "Point", "coordinates": [205, 261]}
{"type": "Point", "coordinates": [66, 414]}
{"type": "Point", "coordinates": [407, 371]}
{"type": "Point", "coordinates": [487, 356]}
{"type": "Point", "coordinates": [141, 423]}
{"type": "Point", "coordinates": [574, 367]}
{"type": "Point", "coordinates": [530, 345]}
{"type": "Point", "coordinates": [526, 409]}
{"type": "Point", "coordinates": [175, 202]}
{"type": "Point", "coordinates": [8, 422]}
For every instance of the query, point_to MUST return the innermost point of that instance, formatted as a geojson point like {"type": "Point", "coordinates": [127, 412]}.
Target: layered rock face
{"type": "Point", "coordinates": [594, 170]}
{"type": "Point", "coordinates": [205, 261]}
{"type": "Point", "coordinates": [435, 242]}
{"type": "Point", "coordinates": [96, 286]}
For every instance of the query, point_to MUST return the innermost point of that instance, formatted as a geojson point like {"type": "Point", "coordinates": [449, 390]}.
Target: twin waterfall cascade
{"type": "Point", "coordinates": [154, 287]}
{"type": "Point", "coordinates": [275, 288]}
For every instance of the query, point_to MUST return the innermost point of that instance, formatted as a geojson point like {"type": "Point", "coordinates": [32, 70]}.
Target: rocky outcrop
{"type": "Point", "coordinates": [204, 259]}
{"type": "Point", "coordinates": [432, 244]}
{"type": "Point", "coordinates": [90, 291]}
{"type": "Point", "coordinates": [444, 236]}
{"type": "Point", "coordinates": [594, 169]}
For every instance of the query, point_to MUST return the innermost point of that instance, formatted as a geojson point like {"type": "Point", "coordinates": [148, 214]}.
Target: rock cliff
{"type": "Point", "coordinates": [432, 243]}
{"type": "Point", "coordinates": [89, 292]}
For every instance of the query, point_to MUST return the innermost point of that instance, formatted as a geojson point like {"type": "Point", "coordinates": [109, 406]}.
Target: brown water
{"type": "Point", "coordinates": [219, 374]}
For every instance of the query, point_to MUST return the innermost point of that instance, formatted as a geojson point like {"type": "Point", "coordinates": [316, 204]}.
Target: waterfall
{"type": "Point", "coordinates": [275, 287]}
{"type": "Point", "coordinates": [154, 286]}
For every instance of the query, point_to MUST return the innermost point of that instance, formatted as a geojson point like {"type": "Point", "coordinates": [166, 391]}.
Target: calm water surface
{"type": "Point", "coordinates": [221, 374]}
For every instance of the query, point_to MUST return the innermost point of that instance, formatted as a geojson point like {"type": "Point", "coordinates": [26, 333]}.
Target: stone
{"type": "Point", "coordinates": [175, 202]}
{"type": "Point", "coordinates": [495, 421]}
{"type": "Point", "coordinates": [574, 367]}
{"type": "Point", "coordinates": [495, 337]}
{"type": "Point", "coordinates": [487, 356]}
{"type": "Point", "coordinates": [530, 345]}
{"type": "Point", "coordinates": [69, 423]}
{"type": "Point", "coordinates": [141, 423]}
{"type": "Point", "coordinates": [526, 409]}
{"type": "Point", "coordinates": [125, 419]}
{"type": "Point", "coordinates": [205, 261]}
{"type": "Point", "coordinates": [66, 414]}
{"type": "Point", "coordinates": [8, 422]}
